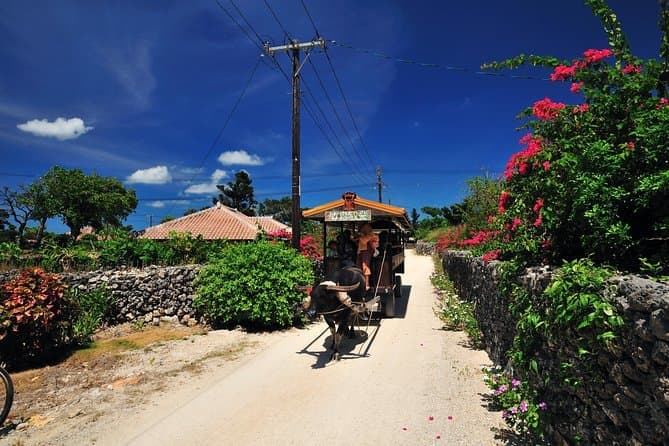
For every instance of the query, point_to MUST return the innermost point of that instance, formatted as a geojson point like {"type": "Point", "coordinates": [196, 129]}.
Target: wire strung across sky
{"type": "Point", "coordinates": [356, 169]}
{"type": "Point", "coordinates": [477, 72]}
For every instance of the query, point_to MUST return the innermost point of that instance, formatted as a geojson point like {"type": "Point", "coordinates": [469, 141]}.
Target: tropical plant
{"type": "Point", "coordinates": [33, 314]}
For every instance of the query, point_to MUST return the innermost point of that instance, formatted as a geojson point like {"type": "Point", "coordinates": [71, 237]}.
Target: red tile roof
{"type": "Point", "coordinates": [216, 223]}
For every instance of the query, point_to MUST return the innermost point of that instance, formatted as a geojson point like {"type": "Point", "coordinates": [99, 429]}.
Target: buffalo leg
{"type": "Point", "coordinates": [331, 324]}
{"type": "Point", "coordinates": [338, 336]}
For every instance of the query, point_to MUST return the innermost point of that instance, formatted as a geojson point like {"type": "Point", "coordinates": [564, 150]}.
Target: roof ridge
{"type": "Point", "coordinates": [239, 216]}
{"type": "Point", "coordinates": [182, 218]}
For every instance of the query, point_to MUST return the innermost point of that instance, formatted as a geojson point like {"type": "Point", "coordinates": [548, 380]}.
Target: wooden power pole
{"type": "Point", "coordinates": [294, 48]}
{"type": "Point", "coordinates": [379, 183]}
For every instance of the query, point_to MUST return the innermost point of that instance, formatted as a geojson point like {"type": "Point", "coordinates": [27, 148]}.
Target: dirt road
{"type": "Point", "coordinates": [407, 383]}
{"type": "Point", "coordinates": [404, 382]}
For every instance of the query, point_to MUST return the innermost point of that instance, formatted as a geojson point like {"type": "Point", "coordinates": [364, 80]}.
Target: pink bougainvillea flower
{"type": "Point", "coordinates": [491, 218]}
{"type": "Point", "coordinates": [547, 165]}
{"type": "Point", "coordinates": [630, 146]}
{"type": "Point", "coordinates": [492, 255]}
{"type": "Point", "coordinates": [563, 72]}
{"type": "Point", "coordinates": [514, 410]}
{"type": "Point", "coordinates": [547, 109]}
{"type": "Point", "coordinates": [515, 383]}
{"type": "Point", "coordinates": [538, 205]}
{"type": "Point", "coordinates": [631, 69]}
{"type": "Point", "coordinates": [538, 221]}
{"type": "Point", "coordinates": [581, 108]}
{"type": "Point", "coordinates": [576, 87]}
{"type": "Point", "coordinates": [592, 56]}
{"type": "Point", "coordinates": [516, 222]}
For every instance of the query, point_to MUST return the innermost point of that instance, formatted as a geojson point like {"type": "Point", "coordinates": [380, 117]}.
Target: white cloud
{"type": "Point", "coordinates": [239, 157]}
{"type": "Point", "coordinates": [162, 204]}
{"type": "Point", "coordinates": [210, 187]}
{"type": "Point", "coordinates": [61, 128]}
{"type": "Point", "coordinates": [152, 175]}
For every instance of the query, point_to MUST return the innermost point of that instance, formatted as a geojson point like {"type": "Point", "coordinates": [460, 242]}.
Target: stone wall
{"type": "Point", "coordinates": [424, 248]}
{"type": "Point", "coordinates": [630, 402]}
{"type": "Point", "coordinates": [149, 295]}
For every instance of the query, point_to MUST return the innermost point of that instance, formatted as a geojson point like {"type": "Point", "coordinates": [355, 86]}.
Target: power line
{"type": "Point", "coordinates": [348, 107]}
{"type": "Point", "coordinates": [276, 18]}
{"type": "Point", "coordinates": [406, 61]}
{"type": "Point", "coordinates": [306, 10]}
{"type": "Point", "coordinates": [334, 110]}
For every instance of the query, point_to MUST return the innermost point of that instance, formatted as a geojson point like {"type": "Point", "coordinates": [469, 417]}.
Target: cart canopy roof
{"type": "Point", "coordinates": [353, 208]}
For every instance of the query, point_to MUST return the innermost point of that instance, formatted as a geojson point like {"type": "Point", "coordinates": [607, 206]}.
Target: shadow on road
{"type": "Point", "coordinates": [350, 348]}
{"type": "Point", "coordinates": [402, 303]}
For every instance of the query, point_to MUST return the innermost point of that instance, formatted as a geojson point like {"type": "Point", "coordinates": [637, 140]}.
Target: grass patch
{"type": "Point", "coordinates": [456, 314]}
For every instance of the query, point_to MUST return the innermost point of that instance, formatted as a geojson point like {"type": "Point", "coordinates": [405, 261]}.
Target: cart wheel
{"type": "Point", "coordinates": [398, 286]}
{"type": "Point", "coordinates": [389, 305]}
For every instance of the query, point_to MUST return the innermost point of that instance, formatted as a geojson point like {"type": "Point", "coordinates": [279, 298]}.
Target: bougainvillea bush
{"type": "Point", "coordinates": [592, 178]}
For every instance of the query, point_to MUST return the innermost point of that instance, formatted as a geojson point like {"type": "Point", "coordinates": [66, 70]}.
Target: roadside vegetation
{"type": "Point", "coordinates": [589, 193]}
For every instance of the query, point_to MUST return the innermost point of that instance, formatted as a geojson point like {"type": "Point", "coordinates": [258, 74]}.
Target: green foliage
{"type": "Point", "coordinates": [520, 405]}
{"type": "Point", "coordinates": [87, 200]}
{"type": "Point", "coordinates": [10, 253]}
{"type": "Point", "coordinates": [91, 310]}
{"type": "Point", "coordinates": [253, 285]}
{"type": "Point", "coordinates": [281, 210]}
{"type": "Point", "coordinates": [33, 314]}
{"type": "Point", "coordinates": [456, 314]}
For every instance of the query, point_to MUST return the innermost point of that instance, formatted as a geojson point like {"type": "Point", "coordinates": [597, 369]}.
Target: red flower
{"type": "Point", "coordinates": [581, 108]}
{"type": "Point", "coordinates": [492, 255]}
{"type": "Point", "coordinates": [538, 205]}
{"type": "Point", "coordinates": [563, 72]}
{"type": "Point", "coordinates": [630, 146]}
{"type": "Point", "coordinates": [547, 165]}
{"type": "Point", "coordinates": [592, 56]}
{"type": "Point", "coordinates": [576, 87]}
{"type": "Point", "coordinates": [516, 222]}
{"type": "Point", "coordinates": [522, 169]}
{"type": "Point", "coordinates": [631, 69]}
{"type": "Point", "coordinates": [504, 198]}
{"type": "Point", "coordinates": [547, 109]}
{"type": "Point", "coordinates": [538, 221]}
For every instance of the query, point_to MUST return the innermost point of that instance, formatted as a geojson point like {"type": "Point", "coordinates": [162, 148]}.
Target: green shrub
{"type": "Point", "coordinates": [33, 315]}
{"type": "Point", "coordinates": [253, 285]}
{"type": "Point", "coordinates": [91, 309]}
{"type": "Point", "coordinates": [10, 253]}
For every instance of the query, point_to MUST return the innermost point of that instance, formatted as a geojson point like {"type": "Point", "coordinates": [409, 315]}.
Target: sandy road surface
{"type": "Point", "coordinates": [383, 391]}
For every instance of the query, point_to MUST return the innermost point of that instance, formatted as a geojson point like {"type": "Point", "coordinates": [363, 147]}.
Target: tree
{"type": "Point", "coordinates": [87, 200]}
{"type": "Point", "coordinates": [281, 210]}
{"type": "Point", "coordinates": [239, 194]}
{"type": "Point", "coordinates": [414, 217]}
{"type": "Point", "coordinates": [480, 203]}
{"type": "Point", "coordinates": [18, 209]}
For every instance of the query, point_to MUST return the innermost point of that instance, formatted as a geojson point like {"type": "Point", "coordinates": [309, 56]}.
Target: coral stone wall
{"type": "Point", "coordinates": [629, 403]}
{"type": "Point", "coordinates": [146, 295]}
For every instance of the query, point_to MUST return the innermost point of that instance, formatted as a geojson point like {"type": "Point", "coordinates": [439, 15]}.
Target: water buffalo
{"type": "Point", "coordinates": [337, 301]}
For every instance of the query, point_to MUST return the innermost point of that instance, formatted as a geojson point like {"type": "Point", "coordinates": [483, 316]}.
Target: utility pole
{"type": "Point", "coordinates": [294, 47]}
{"type": "Point", "coordinates": [379, 183]}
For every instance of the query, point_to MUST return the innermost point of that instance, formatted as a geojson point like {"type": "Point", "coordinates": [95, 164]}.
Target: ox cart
{"type": "Point", "coordinates": [389, 224]}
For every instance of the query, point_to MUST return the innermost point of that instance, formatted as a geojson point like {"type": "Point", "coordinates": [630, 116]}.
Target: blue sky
{"type": "Point", "coordinates": [139, 90]}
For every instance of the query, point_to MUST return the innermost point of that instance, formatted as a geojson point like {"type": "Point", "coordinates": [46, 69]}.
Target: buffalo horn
{"type": "Point", "coordinates": [344, 288]}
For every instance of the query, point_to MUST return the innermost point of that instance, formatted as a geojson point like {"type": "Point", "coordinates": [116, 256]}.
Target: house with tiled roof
{"type": "Point", "coordinates": [218, 222]}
